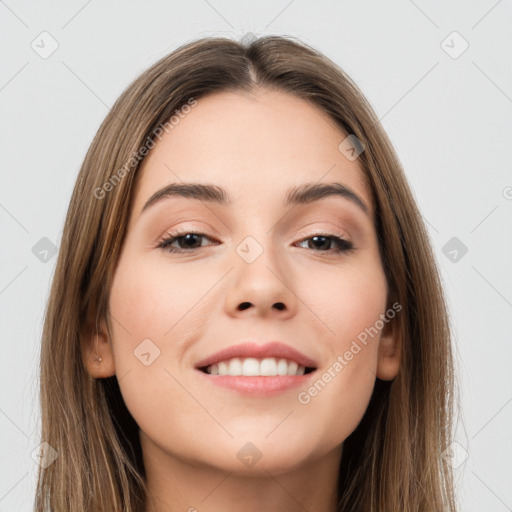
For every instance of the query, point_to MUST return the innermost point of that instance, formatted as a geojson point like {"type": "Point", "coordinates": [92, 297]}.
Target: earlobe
{"type": "Point", "coordinates": [97, 354]}
{"type": "Point", "coordinates": [390, 351]}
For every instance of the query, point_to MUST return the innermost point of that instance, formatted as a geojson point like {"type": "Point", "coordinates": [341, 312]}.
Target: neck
{"type": "Point", "coordinates": [181, 485]}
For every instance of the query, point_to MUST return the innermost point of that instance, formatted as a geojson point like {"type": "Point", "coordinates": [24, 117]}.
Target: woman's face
{"type": "Point", "coordinates": [256, 273]}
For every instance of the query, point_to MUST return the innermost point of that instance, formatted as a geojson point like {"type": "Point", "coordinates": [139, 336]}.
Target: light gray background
{"type": "Point", "coordinates": [450, 120]}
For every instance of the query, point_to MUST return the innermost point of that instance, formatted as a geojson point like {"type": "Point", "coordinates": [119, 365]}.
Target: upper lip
{"type": "Point", "coordinates": [258, 351]}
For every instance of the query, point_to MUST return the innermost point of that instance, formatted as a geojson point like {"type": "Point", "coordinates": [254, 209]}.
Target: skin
{"type": "Point", "coordinates": [256, 147]}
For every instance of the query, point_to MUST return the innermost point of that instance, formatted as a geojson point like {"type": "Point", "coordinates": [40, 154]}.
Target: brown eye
{"type": "Point", "coordinates": [327, 243]}
{"type": "Point", "coordinates": [182, 241]}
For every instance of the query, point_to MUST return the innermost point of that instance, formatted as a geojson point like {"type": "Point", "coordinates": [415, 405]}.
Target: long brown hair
{"type": "Point", "coordinates": [394, 460]}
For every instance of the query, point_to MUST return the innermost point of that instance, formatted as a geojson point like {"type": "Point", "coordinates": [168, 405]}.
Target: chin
{"type": "Point", "coordinates": [261, 464]}
{"type": "Point", "coordinates": [250, 456]}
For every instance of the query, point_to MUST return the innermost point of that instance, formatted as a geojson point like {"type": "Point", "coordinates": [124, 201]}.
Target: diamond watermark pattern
{"type": "Point", "coordinates": [44, 250]}
{"type": "Point", "coordinates": [249, 455]}
{"type": "Point", "coordinates": [454, 45]}
{"type": "Point", "coordinates": [249, 249]}
{"type": "Point", "coordinates": [146, 352]}
{"type": "Point", "coordinates": [455, 454]}
{"type": "Point", "coordinates": [351, 147]}
{"type": "Point", "coordinates": [44, 455]}
{"type": "Point", "coordinates": [44, 45]}
{"type": "Point", "coordinates": [454, 250]}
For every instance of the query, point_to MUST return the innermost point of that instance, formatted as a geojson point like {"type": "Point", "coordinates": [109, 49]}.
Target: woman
{"type": "Point", "coordinates": [246, 313]}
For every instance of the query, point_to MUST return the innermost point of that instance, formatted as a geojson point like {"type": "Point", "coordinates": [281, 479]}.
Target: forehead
{"type": "Point", "coordinates": [256, 146]}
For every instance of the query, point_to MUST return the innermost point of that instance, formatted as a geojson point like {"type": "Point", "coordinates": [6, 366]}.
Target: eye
{"type": "Point", "coordinates": [324, 242]}
{"type": "Point", "coordinates": [189, 241]}
{"type": "Point", "coordinates": [186, 241]}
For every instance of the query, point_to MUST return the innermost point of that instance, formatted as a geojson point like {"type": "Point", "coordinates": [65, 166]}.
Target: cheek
{"type": "Point", "coordinates": [149, 307]}
{"type": "Point", "coordinates": [157, 301]}
{"type": "Point", "coordinates": [347, 306]}
{"type": "Point", "coordinates": [346, 302]}
{"type": "Point", "coordinates": [157, 309]}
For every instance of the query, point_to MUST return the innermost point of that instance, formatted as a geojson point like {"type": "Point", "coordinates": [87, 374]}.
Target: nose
{"type": "Point", "coordinates": [263, 287]}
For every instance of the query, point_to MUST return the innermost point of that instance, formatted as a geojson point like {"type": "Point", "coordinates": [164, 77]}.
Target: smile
{"type": "Point", "coordinates": [252, 367]}
{"type": "Point", "coordinates": [257, 370]}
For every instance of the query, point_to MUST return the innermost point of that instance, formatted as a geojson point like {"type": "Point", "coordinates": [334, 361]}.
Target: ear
{"type": "Point", "coordinates": [390, 350]}
{"type": "Point", "coordinates": [97, 353]}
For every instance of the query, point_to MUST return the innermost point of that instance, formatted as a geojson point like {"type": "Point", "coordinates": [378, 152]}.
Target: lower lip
{"type": "Point", "coordinates": [258, 386]}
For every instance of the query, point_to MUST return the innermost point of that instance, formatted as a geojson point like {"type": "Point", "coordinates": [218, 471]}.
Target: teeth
{"type": "Point", "coordinates": [293, 367]}
{"type": "Point", "coordinates": [268, 367]}
{"type": "Point", "coordinates": [252, 367]}
{"type": "Point", "coordinates": [282, 367]}
{"type": "Point", "coordinates": [235, 367]}
{"type": "Point", "coordinates": [223, 368]}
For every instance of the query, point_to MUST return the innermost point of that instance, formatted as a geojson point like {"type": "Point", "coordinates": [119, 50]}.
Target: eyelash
{"type": "Point", "coordinates": [343, 245]}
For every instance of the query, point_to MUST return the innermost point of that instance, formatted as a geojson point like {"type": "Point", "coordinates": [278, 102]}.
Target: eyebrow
{"type": "Point", "coordinates": [303, 194]}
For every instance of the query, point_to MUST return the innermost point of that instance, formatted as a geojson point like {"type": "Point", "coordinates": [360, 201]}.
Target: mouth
{"type": "Point", "coordinates": [257, 367]}
{"type": "Point", "coordinates": [258, 370]}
